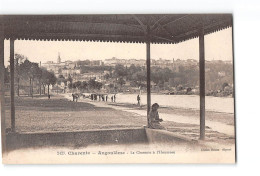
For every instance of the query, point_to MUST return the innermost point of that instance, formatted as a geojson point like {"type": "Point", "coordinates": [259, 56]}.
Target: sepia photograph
{"type": "Point", "coordinates": [117, 88]}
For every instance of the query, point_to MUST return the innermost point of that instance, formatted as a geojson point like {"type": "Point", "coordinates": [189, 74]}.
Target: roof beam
{"type": "Point", "coordinates": [205, 28]}
{"type": "Point", "coordinates": [178, 19]}
{"type": "Point", "coordinates": [68, 35]}
{"type": "Point", "coordinates": [140, 22]}
{"type": "Point", "coordinates": [165, 39]}
{"type": "Point", "coordinates": [71, 23]}
{"type": "Point", "coordinates": [162, 27]}
{"type": "Point", "coordinates": [158, 21]}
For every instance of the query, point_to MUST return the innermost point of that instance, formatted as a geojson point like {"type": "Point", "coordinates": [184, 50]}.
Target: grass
{"type": "Point", "coordinates": [59, 114]}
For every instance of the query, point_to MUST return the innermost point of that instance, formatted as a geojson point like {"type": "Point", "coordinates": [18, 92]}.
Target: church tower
{"type": "Point", "coordinates": [59, 59]}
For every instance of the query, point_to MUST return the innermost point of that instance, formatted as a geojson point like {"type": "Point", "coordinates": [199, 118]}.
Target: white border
{"type": "Point", "coordinates": [247, 72]}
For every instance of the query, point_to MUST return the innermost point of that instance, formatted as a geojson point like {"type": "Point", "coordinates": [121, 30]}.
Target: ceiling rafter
{"type": "Point", "coordinates": [178, 19]}
{"type": "Point", "coordinates": [141, 23]}
{"type": "Point", "coordinates": [167, 28]}
{"type": "Point", "coordinates": [167, 32]}
{"type": "Point", "coordinates": [158, 21]}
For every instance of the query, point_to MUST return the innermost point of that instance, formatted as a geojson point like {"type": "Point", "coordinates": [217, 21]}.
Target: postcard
{"type": "Point", "coordinates": [117, 88]}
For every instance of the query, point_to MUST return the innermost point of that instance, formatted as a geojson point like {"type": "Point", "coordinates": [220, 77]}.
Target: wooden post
{"type": "Point", "coordinates": [48, 90]}
{"type": "Point", "coordinates": [40, 87]}
{"type": "Point", "coordinates": [2, 90]}
{"type": "Point", "coordinates": [18, 79]}
{"type": "Point", "coordinates": [18, 86]}
{"type": "Point", "coordinates": [32, 87]}
{"type": "Point", "coordinates": [12, 84]}
{"type": "Point", "coordinates": [30, 93]}
{"type": "Point", "coordinates": [148, 65]}
{"type": "Point", "coordinates": [202, 83]}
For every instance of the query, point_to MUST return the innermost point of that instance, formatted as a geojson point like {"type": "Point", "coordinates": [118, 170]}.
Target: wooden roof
{"type": "Point", "coordinates": [164, 28]}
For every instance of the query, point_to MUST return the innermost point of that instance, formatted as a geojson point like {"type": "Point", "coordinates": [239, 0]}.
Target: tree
{"type": "Point", "coordinates": [27, 70]}
{"type": "Point", "coordinates": [92, 84]}
{"type": "Point", "coordinates": [19, 59]}
{"type": "Point", "coordinates": [69, 79]}
{"type": "Point", "coordinates": [106, 76]}
{"type": "Point", "coordinates": [98, 85]}
{"type": "Point", "coordinates": [77, 85]}
{"type": "Point", "coordinates": [111, 85]}
{"type": "Point", "coordinates": [39, 76]}
{"type": "Point", "coordinates": [121, 82]}
{"type": "Point", "coordinates": [83, 85]}
{"type": "Point", "coordinates": [120, 70]}
{"type": "Point", "coordinates": [224, 85]}
{"type": "Point", "coordinates": [35, 73]}
{"type": "Point", "coordinates": [7, 76]}
{"type": "Point", "coordinates": [48, 78]}
{"type": "Point", "coordinates": [61, 79]}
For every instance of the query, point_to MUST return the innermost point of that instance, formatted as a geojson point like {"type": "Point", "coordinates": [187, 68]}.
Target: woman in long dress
{"type": "Point", "coordinates": [154, 120]}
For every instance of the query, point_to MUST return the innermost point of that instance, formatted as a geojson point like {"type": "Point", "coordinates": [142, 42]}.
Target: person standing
{"type": "Point", "coordinates": [138, 100]}
{"type": "Point", "coordinates": [73, 97]}
{"type": "Point", "coordinates": [106, 97]}
{"type": "Point", "coordinates": [115, 98]}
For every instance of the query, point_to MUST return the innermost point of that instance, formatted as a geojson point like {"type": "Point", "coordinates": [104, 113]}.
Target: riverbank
{"type": "Point", "coordinates": [222, 117]}
{"type": "Point", "coordinates": [216, 104]}
{"type": "Point", "coordinates": [183, 121]}
{"type": "Point", "coordinates": [219, 126]}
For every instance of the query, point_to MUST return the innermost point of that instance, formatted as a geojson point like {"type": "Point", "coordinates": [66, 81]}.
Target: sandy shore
{"type": "Point", "coordinates": [219, 126]}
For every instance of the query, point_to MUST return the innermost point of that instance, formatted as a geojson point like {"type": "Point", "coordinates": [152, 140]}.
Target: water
{"type": "Point", "coordinates": [217, 104]}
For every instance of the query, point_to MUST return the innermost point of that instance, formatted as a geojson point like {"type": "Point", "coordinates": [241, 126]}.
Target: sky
{"type": "Point", "coordinates": [218, 46]}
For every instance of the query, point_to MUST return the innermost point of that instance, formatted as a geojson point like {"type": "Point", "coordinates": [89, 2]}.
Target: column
{"type": "Point", "coordinates": [12, 84]}
{"type": "Point", "coordinates": [2, 89]}
{"type": "Point", "coordinates": [202, 83]}
{"type": "Point", "coordinates": [148, 65]}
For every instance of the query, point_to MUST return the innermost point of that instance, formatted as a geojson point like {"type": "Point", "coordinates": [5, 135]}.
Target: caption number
{"type": "Point", "coordinates": [61, 153]}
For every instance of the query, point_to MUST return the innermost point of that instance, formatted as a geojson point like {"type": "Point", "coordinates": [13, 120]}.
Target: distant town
{"type": "Point", "coordinates": [173, 76]}
{"type": "Point", "coordinates": [117, 75]}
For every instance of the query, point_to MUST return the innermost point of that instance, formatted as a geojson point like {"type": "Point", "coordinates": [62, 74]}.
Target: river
{"type": "Point", "coordinates": [217, 104]}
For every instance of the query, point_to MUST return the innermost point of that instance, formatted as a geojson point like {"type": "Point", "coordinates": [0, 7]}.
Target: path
{"type": "Point", "coordinates": [215, 126]}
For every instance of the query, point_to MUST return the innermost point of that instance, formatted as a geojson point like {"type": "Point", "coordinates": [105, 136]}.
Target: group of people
{"type": "Point", "coordinates": [75, 97]}
{"type": "Point", "coordinates": [102, 97]}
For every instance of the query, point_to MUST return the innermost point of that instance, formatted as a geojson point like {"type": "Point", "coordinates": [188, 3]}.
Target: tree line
{"type": "Point", "coordinates": [187, 76]}
{"type": "Point", "coordinates": [184, 75]}
{"type": "Point", "coordinates": [85, 85]}
{"type": "Point", "coordinates": [30, 73]}
{"type": "Point", "coordinates": [137, 75]}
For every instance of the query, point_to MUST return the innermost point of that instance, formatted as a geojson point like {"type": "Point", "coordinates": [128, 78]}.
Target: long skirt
{"type": "Point", "coordinates": [156, 125]}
